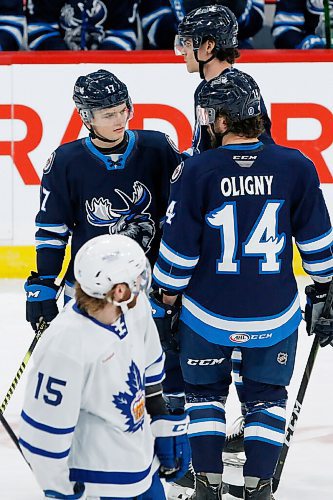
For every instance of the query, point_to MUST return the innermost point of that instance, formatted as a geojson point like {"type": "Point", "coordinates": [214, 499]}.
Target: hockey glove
{"type": "Point", "coordinates": [166, 319]}
{"type": "Point", "coordinates": [78, 493]}
{"type": "Point", "coordinates": [315, 324]}
{"type": "Point", "coordinates": [41, 300]}
{"type": "Point", "coordinates": [312, 42]}
{"type": "Point", "coordinates": [172, 445]}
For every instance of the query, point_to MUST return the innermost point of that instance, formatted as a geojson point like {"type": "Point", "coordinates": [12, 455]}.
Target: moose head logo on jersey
{"type": "Point", "coordinates": [132, 404]}
{"type": "Point", "coordinates": [132, 221]}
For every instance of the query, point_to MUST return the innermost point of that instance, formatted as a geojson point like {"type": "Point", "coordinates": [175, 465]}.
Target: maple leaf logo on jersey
{"type": "Point", "coordinates": [132, 221]}
{"type": "Point", "coordinates": [132, 404]}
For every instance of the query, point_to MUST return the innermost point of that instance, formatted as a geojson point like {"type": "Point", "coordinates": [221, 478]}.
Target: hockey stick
{"type": "Point", "coordinates": [327, 19]}
{"type": "Point", "coordinates": [41, 329]}
{"type": "Point", "coordinates": [301, 393]}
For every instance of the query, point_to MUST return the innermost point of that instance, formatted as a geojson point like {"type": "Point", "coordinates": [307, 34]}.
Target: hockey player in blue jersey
{"type": "Point", "coordinates": [207, 39]}
{"type": "Point", "coordinates": [94, 420]}
{"type": "Point", "coordinates": [300, 24]}
{"type": "Point", "coordinates": [12, 24]}
{"type": "Point", "coordinates": [115, 181]}
{"type": "Point", "coordinates": [227, 249]}
{"type": "Point", "coordinates": [75, 25]}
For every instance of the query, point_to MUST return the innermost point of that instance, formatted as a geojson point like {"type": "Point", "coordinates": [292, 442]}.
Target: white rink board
{"type": "Point", "coordinates": [45, 91]}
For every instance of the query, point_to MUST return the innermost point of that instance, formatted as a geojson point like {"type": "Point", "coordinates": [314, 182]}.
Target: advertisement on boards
{"type": "Point", "coordinates": [37, 114]}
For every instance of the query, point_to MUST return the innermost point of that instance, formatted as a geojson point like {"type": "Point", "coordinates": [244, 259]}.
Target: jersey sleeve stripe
{"type": "Point", "coordinates": [95, 476]}
{"type": "Point", "coordinates": [169, 281]}
{"type": "Point", "coordinates": [316, 244]}
{"type": "Point", "coordinates": [43, 453]}
{"type": "Point", "coordinates": [176, 258]}
{"type": "Point", "coordinates": [319, 266]}
{"type": "Point", "coordinates": [47, 243]}
{"type": "Point", "coordinates": [59, 229]}
{"type": "Point", "coordinates": [44, 427]}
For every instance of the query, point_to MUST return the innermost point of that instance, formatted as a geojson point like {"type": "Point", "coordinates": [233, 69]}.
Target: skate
{"type": "Point", "coordinates": [263, 491]}
{"type": "Point", "coordinates": [183, 488]}
{"type": "Point", "coordinates": [206, 491]}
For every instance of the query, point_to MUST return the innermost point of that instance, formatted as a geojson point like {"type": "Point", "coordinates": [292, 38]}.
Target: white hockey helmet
{"type": "Point", "coordinates": [107, 260]}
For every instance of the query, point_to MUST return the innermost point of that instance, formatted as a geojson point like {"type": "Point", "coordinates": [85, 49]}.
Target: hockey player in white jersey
{"type": "Point", "coordinates": [94, 424]}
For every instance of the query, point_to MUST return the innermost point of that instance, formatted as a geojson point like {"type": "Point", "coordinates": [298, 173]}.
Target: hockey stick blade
{"type": "Point", "coordinates": [301, 393]}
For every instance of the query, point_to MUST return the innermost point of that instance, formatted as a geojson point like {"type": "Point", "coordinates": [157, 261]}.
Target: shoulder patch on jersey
{"type": "Point", "coordinates": [177, 172]}
{"type": "Point", "coordinates": [172, 144]}
{"type": "Point", "coordinates": [49, 163]}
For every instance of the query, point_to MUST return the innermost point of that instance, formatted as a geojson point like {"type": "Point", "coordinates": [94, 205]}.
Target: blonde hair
{"type": "Point", "coordinates": [88, 304]}
{"type": "Point", "coordinates": [91, 305]}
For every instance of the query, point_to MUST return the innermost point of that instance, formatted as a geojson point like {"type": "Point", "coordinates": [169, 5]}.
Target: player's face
{"type": "Point", "coordinates": [111, 122]}
{"type": "Point", "coordinates": [185, 48]}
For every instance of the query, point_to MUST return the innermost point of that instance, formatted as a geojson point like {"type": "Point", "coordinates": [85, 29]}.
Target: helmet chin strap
{"type": "Point", "coordinates": [124, 304]}
{"type": "Point", "coordinates": [93, 135]}
{"type": "Point", "coordinates": [202, 63]}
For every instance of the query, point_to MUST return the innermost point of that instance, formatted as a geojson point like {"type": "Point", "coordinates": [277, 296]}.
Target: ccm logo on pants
{"type": "Point", "coordinates": [205, 362]}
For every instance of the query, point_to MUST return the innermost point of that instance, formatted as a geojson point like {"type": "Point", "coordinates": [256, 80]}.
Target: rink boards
{"type": "Point", "coordinates": [37, 115]}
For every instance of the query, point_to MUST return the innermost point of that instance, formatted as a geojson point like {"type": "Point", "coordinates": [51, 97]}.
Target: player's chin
{"type": "Point", "coordinates": [191, 68]}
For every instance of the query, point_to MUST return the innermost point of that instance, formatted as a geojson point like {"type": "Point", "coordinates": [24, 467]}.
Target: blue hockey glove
{"type": "Point", "coordinates": [166, 319]}
{"type": "Point", "coordinates": [315, 324]}
{"type": "Point", "coordinates": [312, 42]}
{"type": "Point", "coordinates": [41, 300]}
{"type": "Point", "coordinates": [172, 445]}
{"type": "Point", "coordinates": [78, 492]}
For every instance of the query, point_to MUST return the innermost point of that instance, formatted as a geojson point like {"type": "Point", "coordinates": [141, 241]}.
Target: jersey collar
{"type": "Point", "coordinates": [106, 159]}
{"type": "Point", "coordinates": [243, 147]}
{"type": "Point", "coordinates": [119, 328]}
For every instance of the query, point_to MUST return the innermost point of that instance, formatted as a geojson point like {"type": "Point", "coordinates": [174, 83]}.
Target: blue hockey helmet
{"type": "Point", "coordinates": [99, 90]}
{"type": "Point", "coordinates": [212, 21]}
{"type": "Point", "coordinates": [234, 94]}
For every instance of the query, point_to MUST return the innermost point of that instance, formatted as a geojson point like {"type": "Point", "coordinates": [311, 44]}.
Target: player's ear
{"type": "Point", "coordinates": [210, 46]}
{"type": "Point", "coordinates": [121, 292]}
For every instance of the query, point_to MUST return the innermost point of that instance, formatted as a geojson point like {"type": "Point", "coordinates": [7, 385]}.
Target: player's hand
{"type": "Point", "coordinates": [312, 42]}
{"type": "Point", "coordinates": [315, 323]}
{"type": "Point", "coordinates": [172, 445]}
{"type": "Point", "coordinates": [166, 319]}
{"type": "Point", "coordinates": [41, 300]}
{"type": "Point", "coordinates": [323, 328]}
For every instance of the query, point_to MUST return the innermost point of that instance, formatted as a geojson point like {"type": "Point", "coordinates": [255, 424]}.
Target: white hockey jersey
{"type": "Point", "coordinates": [84, 416]}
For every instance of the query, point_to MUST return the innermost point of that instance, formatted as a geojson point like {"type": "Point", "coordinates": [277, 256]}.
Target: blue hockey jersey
{"type": "Point", "coordinates": [159, 24]}
{"type": "Point", "coordinates": [201, 140]}
{"type": "Point", "coordinates": [68, 24]}
{"type": "Point", "coordinates": [12, 24]}
{"type": "Point", "coordinates": [227, 241]}
{"type": "Point", "coordinates": [85, 193]}
{"type": "Point", "coordinates": [295, 23]}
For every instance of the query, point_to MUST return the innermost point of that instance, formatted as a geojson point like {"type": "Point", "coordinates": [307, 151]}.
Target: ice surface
{"type": "Point", "coordinates": [308, 473]}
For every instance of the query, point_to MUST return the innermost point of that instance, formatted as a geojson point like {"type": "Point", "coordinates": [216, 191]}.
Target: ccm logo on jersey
{"type": "Point", "coordinates": [241, 338]}
{"type": "Point", "coordinates": [205, 362]}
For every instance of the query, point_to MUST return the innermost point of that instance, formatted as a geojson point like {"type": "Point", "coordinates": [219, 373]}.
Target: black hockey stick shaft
{"type": "Point", "coordinates": [301, 393]}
